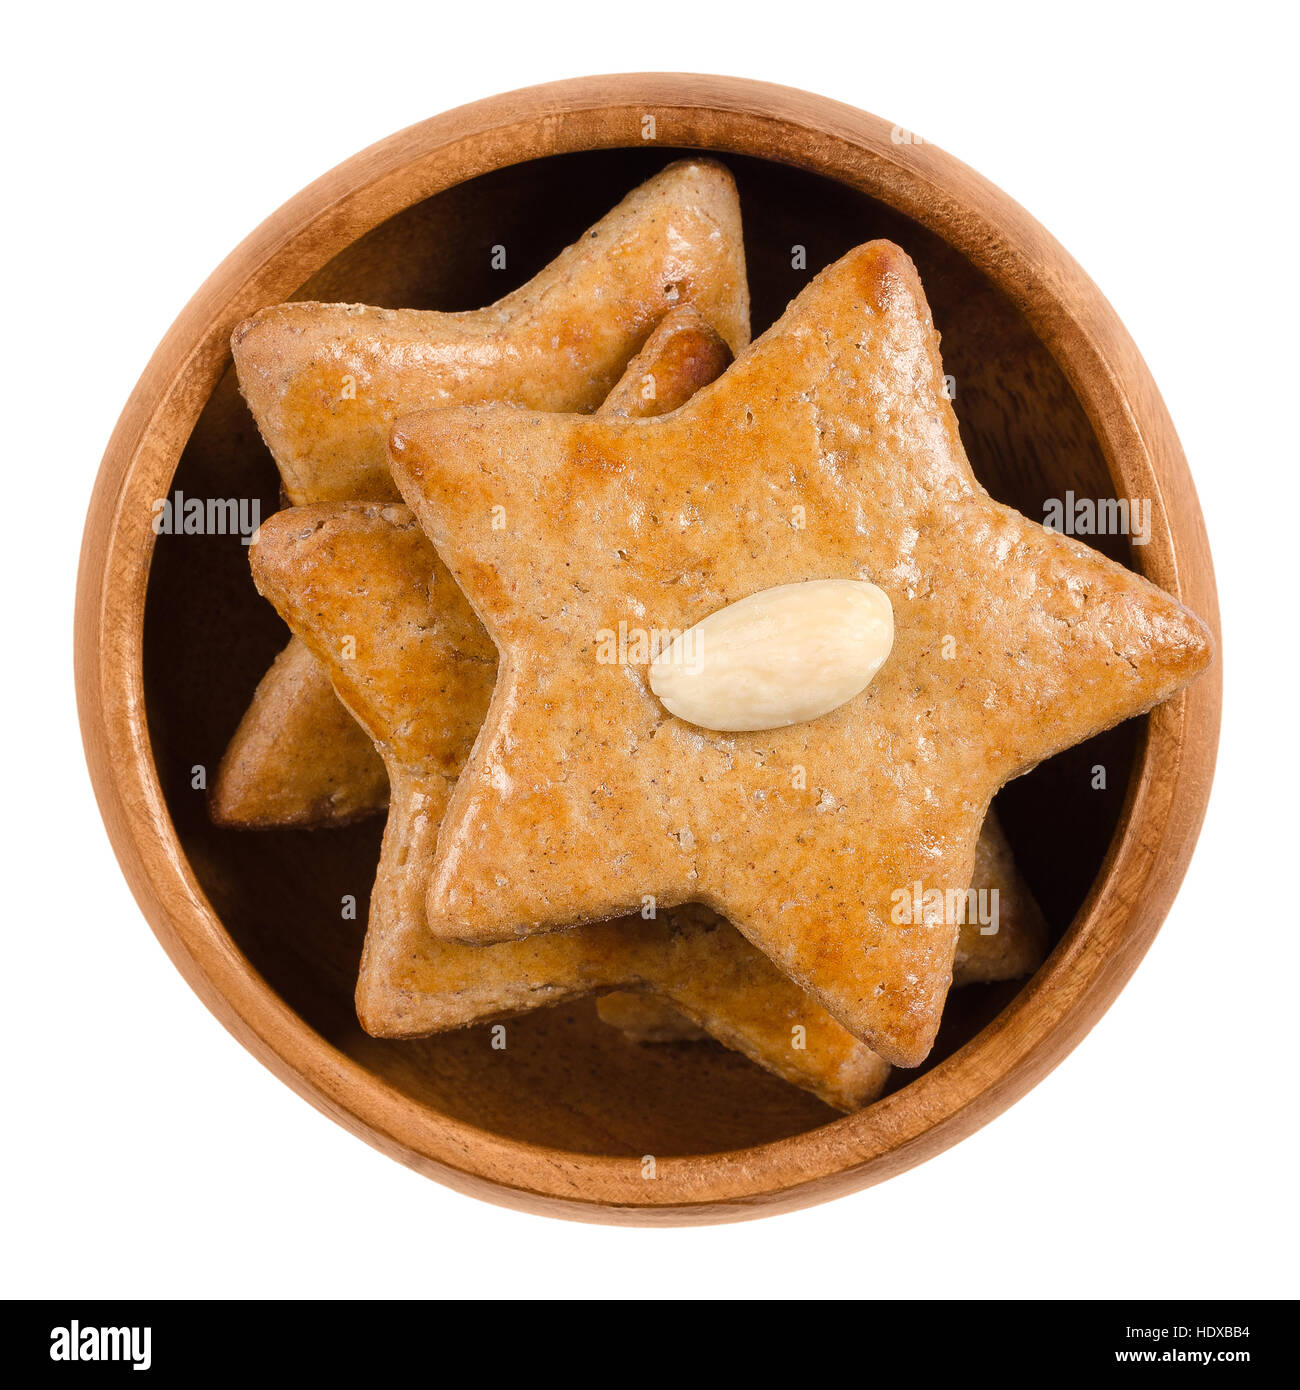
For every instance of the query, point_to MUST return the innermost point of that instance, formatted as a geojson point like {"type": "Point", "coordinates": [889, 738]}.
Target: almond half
{"type": "Point", "coordinates": [781, 656]}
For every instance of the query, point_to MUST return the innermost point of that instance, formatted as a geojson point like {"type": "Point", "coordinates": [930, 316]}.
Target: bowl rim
{"type": "Point", "coordinates": [1168, 790]}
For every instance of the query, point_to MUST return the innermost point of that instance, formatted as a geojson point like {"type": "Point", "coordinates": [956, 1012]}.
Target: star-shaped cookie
{"type": "Point", "coordinates": [410, 655]}
{"type": "Point", "coordinates": [364, 589]}
{"type": "Point", "coordinates": [828, 450]}
{"type": "Point", "coordinates": [360, 584]}
{"type": "Point", "coordinates": [325, 381]}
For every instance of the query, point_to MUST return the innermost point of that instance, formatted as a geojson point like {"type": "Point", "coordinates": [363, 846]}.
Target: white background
{"type": "Point", "coordinates": [145, 1153]}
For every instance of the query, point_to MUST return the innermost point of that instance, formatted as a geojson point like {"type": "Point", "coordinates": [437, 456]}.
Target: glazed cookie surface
{"type": "Point", "coordinates": [828, 451]}
{"type": "Point", "coordinates": [325, 381]}
{"type": "Point", "coordinates": [362, 588]}
{"type": "Point", "coordinates": [356, 578]}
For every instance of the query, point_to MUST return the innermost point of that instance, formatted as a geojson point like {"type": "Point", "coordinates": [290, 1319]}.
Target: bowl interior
{"type": "Point", "coordinates": [567, 1081]}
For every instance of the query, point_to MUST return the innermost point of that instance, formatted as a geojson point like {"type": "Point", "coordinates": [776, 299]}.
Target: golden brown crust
{"type": "Point", "coordinates": [419, 675]}
{"type": "Point", "coordinates": [418, 680]}
{"type": "Point", "coordinates": [683, 354]}
{"type": "Point", "coordinates": [325, 381]}
{"type": "Point", "coordinates": [297, 758]}
{"type": "Point", "coordinates": [828, 450]}
{"type": "Point", "coordinates": [371, 600]}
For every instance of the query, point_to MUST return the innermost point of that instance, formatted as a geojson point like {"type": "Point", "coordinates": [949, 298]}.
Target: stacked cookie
{"type": "Point", "coordinates": [508, 525]}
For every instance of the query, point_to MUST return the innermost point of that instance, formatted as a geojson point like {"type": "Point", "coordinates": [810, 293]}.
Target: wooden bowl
{"type": "Point", "coordinates": [171, 639]}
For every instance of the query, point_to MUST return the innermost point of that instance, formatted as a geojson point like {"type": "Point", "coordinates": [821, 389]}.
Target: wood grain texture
{"type": "Point", "coordinates": [1051, 394]}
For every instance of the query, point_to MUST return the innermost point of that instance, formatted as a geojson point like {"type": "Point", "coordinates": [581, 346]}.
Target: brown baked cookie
{"type": "Point", "coordinates": [828, 451]}
{"type": "Point", "coordinates": [390, 559]}
{"type": "Point", "coordinates": [1015, 949]}
{"type": "Point", "coordinates": [298, 757]}
{"type": "Point", "coordinates": [363, 588]}
{"type": "Point", "coordinates": [1018, 946]}
{"type": "Point", "coordinates": [325, 381]}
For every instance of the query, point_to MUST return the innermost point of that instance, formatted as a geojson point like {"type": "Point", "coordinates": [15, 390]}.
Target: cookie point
{"type": "Point", "coordinates": [250, 347]}
{"type": "Point", "coordinates": [697, 164]}
{"type": "Point", "coordinates": [242, 329]}
{"type": "Point", "coordinates": [372, 1013]}
{"type": "Point", "coordinates": [1184, 640]}
{"type": "Point", "coordinates": [877, 268]}
{"type": "Point", "coordinates": [906, 1055]}
{"type": "Point", "coordinates": [1201, 647]}
{"type": "Point", "coordinates": [707, 185]}
{"type": "Point", "coordinates": [279, 538]}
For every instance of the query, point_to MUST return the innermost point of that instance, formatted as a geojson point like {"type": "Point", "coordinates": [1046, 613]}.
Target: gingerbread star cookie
{"type": "Point", "coordinates": [337, 571]}
{"type": "Point", "coordinates": [325, 381]}
{"type": "Point", "coordinates": [827, 452]}
{"type": "Point", "coordinates": [363, 588]}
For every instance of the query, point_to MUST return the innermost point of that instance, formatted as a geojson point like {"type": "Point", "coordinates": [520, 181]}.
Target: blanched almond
{"type": "Point", "coordinates": [781, 656]}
